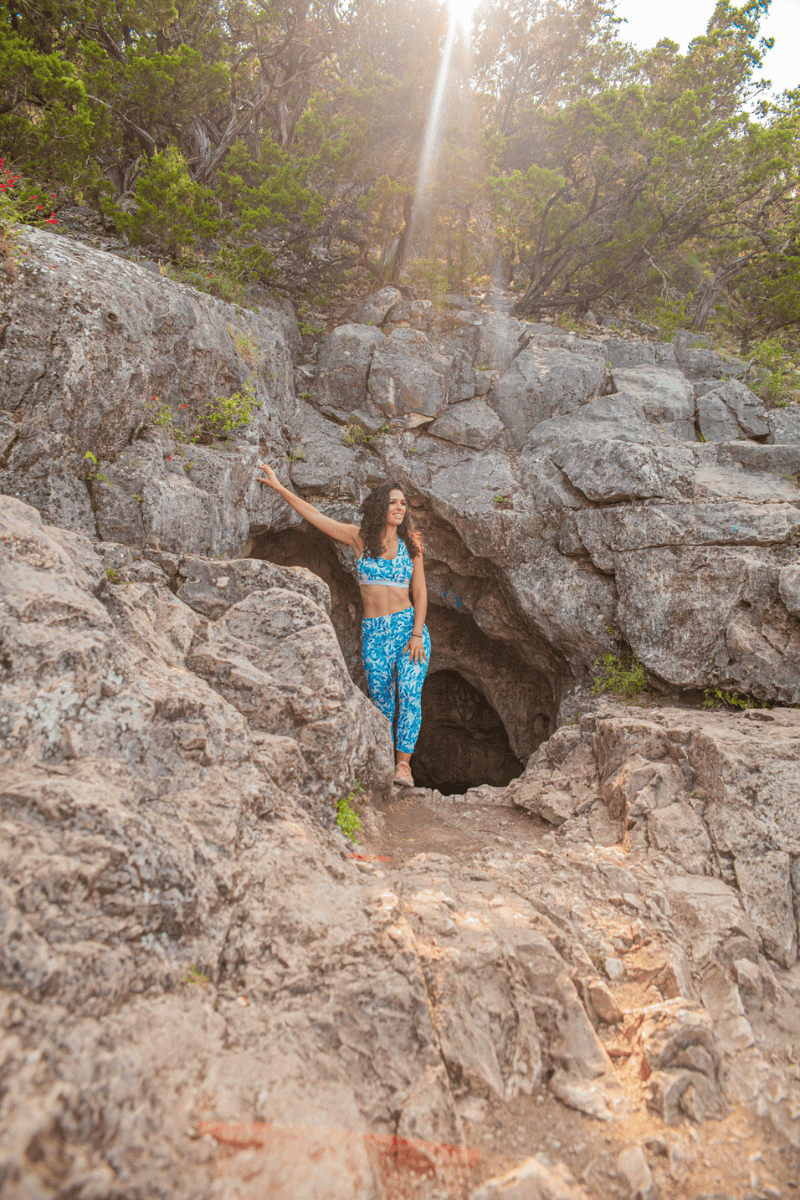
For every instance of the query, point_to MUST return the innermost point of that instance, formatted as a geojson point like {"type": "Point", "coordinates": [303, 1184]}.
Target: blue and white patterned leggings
{"type": "Point", "coordinates": [383, 640]}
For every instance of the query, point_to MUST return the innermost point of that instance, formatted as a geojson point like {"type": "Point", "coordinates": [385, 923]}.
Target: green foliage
{"type": "Point", "coordinates": [225, 416]}
{"type": "Point", "coordinates": [357, 435]}
{"type": "Point", "coordinates": [172, 209]}
{"type": "Point", "coordinates": [280, 145]}
{"type": "Point", "coordinates": [719, 698]}
{"type": "Point", "coordinates": [776, 379]}
{"type": "Point", "coordinates": [672, 313]}
{"type": "Point", "coordinates": [91, 475]}
{"type": "Point", "coordinates": [220, 419]}
{"type": "Point", "coordinates": [112, 575]}
{"type": "Point", "coordinates": [624, 676]}
{"type": "Point", "coordinates": [349, 821]}
{"type": "Point", "coordinates": [246, 346]}
{"type": "Point", "coordinates": [196, 976]}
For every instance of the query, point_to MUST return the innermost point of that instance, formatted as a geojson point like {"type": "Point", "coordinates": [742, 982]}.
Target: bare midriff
{"type": "Point", "coordinates": [384, 599]}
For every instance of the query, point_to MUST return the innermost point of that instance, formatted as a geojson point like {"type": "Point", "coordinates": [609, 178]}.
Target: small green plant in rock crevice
{"type": "Point", "coordinates": [349, 821]}
{"type": "Point", "coordinates": [224, 416]}
{"type": "Point", "coordinates": [719, 698]}
{"type": "Point", "coordinates": [621, 674]}
{"type": "Point", "coordinates": [196, 976]}
{"type": "Point", "coordinates": [357, 435]}
{"type": "Point", "coordinates": [246, 345]}
{"type": "Point", "coordinates": [94, 476]}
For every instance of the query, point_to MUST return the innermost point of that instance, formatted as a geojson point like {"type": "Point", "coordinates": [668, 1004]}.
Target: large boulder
{"type": "Point", "coordinates": [407, 375]}
{"type": "Point", "coordinates": [543, 382]}
{"type": "Point", "coordinates": [666, 397]}
{"type": "Point", "coordinates": [731, 411]}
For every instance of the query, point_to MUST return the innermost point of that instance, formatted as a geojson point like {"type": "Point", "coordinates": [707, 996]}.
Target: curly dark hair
{"type": "Point", "coordinates": [373, 522]}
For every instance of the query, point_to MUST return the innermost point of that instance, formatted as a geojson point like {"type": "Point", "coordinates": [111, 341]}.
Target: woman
{"type": "Point", "coordinates": [395, 643]}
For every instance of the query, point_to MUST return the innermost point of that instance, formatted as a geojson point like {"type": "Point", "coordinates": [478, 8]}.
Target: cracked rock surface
{"type": "Point", "coordinates": [579, 985]}
{"type": "Point", "coordinates": [533, 979]}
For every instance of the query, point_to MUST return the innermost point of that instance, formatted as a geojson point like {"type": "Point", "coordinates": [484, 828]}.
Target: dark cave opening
{"type": "Point", "coordinates": [485, 706]}
{"type": "Point", "coordinates": [462, 742]}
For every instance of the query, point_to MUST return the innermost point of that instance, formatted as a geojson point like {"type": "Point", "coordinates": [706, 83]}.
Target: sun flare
{"type": "Point", "coordinates": [461, 13]}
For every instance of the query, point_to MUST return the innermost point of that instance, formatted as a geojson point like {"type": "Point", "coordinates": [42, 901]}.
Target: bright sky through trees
{"type": "Point", "coordinates": [461, 13]}
{"type": "Point", "coordinates": [684, 19]}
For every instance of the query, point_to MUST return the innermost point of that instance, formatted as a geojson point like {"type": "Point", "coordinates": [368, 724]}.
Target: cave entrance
{"type": "Point", "coordinates": [487, 703]}
{"type": "Point", "coordinates": [462, 742]}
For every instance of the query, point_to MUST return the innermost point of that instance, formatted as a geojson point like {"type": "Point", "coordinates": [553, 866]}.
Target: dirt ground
{"type": "Point", "coordinates": [739, 1157]}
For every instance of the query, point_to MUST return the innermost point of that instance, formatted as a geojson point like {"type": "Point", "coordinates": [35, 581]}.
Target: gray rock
{"type": "Point", "coordinates": [623, 353]}
{"type": "Point", "coordinates": [612, 418]}
{"type": "Point", "coordinates": [407, 375]}
{"type": "Point", "coordinates": [765, 884]}
{"type": "Point", "coordinates": [343, 365]}
{"type": "Point", "coordinates": [784, 425]}
{"type": "Point", "coordinates": [679, 831]}
{"type": "Point", "coordinates": [275, 657]}
{"type": "Point", "coordinates": [81, 373]}
{"type": "Point", "coordinates": [471, 424]}
{"type": "Point", "coordinates": [377, 307]}
{"type": "Point", "coordinates": [419, 314]}
{"type": "Point", "coordinates": [531, 1180]}
{"type": "Point", "coordinates": [697, 362]}
{"type": "Point", "coordinates": [789, 587]}
{"type": "Point", "coordinates": [633, 1169]}
{"type": "Point", "coordinates": [717, 422]}
{"type": "Point", "coordinates": [603, 1002]}
{"type": "Point", "coordinates": [743, 405]}
{"type": "Point", "coordinates": [177, 499]}
{"type": "Point", "coordinates": [320, 462]}
{"type": "Point", "coordinates": [542, 383]}
{"type": "Point", "coordinates": [666, 397]}
{"type": "Point", "coordinates": [613, 471]}
{"type": "Point", "coordinates": [211, 588]}
{"type": "Point", "coordinates": [498, 341]}
{"type": "Point", "coordinates": [685, 609]}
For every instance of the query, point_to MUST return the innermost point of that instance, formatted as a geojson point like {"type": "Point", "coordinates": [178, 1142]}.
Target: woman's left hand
{"type": "Point", "coordinates": [416, 649]}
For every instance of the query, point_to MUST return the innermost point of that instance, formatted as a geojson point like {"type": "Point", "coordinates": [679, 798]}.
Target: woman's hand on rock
{"type": "Point", "coordinates": [271, 477]}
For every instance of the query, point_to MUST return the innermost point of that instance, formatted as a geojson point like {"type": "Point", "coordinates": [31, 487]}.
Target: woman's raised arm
{"type": "Point", "coordinates": [335, 529]}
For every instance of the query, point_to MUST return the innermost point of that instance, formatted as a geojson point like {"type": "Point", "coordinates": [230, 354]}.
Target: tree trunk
{"type": "Point", "coordinates": [708, 296]}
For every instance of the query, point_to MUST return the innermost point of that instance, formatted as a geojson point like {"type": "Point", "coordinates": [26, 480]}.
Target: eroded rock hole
{"type": "Point", "coordinates": [486, 704]}
{"type": "Point", "coordinates": [463, 742]}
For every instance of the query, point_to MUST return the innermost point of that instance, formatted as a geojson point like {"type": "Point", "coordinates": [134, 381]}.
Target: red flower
{"type": "Point", "coordinates": [52, 195]}
{"type": "Point", "coordinates": [33, 197]}
{"type": "Point", "coordinates": [38, 206]}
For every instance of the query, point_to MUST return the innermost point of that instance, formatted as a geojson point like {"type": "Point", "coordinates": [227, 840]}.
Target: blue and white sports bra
{"type": "Point", "coordinates": [395, 571]}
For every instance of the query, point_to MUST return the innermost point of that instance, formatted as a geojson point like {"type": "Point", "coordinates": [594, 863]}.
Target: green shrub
{"type": "Point", "coordinates": [172, 211]}
{"type": "Point", "coordinates": [719, 698]}
{"type": "Point", "coordinates": [225, 416]}
{"type": "Point", "coordinates": [349, 821]}
{"type": "Point", "coordinates": [623, 676]}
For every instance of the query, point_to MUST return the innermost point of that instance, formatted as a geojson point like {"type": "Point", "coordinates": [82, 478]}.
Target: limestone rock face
{"type": "Point", "coordinates": [94, 348]}
{"type": "Point", "coordinates": [189, 946]}
{"type": "Point", "coordinates": [564, 495]}
{"type": "Point", "coordinates": [701, 788]}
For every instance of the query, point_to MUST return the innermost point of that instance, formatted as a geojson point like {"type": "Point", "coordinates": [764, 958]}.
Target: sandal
{"type": "Point", "coordinates": [403, 776]}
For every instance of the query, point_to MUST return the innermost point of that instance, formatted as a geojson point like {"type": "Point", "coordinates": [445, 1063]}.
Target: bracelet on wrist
{"type": "Point", "coordinates": [419, 635]}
